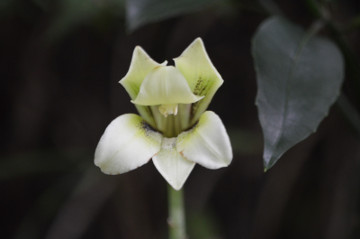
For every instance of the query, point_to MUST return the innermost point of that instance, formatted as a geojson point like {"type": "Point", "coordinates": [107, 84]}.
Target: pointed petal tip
{"type": "Point", "coordinates": [138, 48]}
{"type": "Point", "coordinates": [175, 186]}
{"type": "Point", "coordinates": [139, 51]}
{"type": "Point", "coordinates": [199, 40]}
{"type": "Point", "coordinates": [141, 64]}
{"type": "Point", "coordinates": [174, 168]}
{"type": "Point", "coordinates": [193, 44]}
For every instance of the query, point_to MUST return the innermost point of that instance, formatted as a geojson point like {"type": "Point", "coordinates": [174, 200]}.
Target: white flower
{"type": "Point", "coordinates": [173, 128]}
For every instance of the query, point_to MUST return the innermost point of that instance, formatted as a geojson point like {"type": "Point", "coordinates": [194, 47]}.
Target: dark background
{"type": "Point", "coordinates": [59, 90]}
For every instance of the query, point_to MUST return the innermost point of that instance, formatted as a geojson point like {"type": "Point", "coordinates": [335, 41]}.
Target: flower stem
{"type": "Point", "coordinates": [176, 218]}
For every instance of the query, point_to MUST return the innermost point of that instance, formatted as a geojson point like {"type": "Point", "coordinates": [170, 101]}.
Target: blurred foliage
{"type": "Point", "coordinates": [203, 225]}
{"type": "Point", "coordinates": [23, 165]}
{"type": "Point", "coordinates": [57, 98]}
{"type": "Point", "coordinates": [141, 12]}
{"type": "Point", "coordinates": [74, 13]}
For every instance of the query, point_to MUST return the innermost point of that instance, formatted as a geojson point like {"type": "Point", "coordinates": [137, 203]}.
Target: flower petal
{"type": "Point", "coordinates": [203, 79]}
{"type": "Point", "coordinates": [126, 144]}
{"type": "Point", "coordinates": [207, 143]}
{"type": "Point", "coordinates": [171, 165]}
{"type": "Point", "coordinates": [141, 65]}
{"type": "Point", "coordinates": [165, 85]}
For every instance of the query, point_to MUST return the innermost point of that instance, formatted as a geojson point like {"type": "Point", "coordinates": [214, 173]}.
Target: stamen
{"type": "Point", "coordinates": [170, 109]}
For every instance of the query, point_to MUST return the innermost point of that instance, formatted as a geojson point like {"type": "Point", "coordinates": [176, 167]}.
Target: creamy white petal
{"type": "Point", "coordinates": [207, 144]}
{"type": "Point", "coordinates": [171, 165]}
{"type": "Point", "coordinates": [165, 85]}
{"type": "Point", "coordinates": [203, 78]}
{"type": "Point", "coordinates": [126, 144]}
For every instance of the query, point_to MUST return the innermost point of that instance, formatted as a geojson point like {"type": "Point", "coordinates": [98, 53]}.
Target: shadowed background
{"type": "Point", "coordinates": [60, 66]}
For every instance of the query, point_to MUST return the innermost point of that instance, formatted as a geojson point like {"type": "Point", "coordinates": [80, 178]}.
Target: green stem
{"type": "Point", "coordinates": [176, 218]}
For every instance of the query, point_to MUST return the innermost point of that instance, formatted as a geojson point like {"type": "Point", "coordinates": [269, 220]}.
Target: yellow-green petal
{"type": "Point", "coordinates": [126, 144]}
{"type": "Point", "coordinates": [207, 144]}
{"type": "Point", "coordinates": [165, 85]}
{"type": "Point", "coordinates": [201, 75]}
{"type": "Point", "coordinates": [141, 65]}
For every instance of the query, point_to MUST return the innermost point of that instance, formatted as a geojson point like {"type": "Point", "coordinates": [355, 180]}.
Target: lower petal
{"type": "Point", "coordinates": [126, 144]}
{"type": "Point", "coordinates": [172, 165]}
{"type": "Point", "coordinates": [207, 143]}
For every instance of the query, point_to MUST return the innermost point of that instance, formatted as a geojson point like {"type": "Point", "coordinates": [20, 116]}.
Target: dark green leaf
{"type": "Point", "coordinates": [299, 77]}
{"type": "Point", "coordinates": [141, 12]}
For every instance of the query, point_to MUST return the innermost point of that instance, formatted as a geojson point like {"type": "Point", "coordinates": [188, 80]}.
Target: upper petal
{"type": "Point", "coordinates": [207, 143]}
{"type": "Point", "coordinates": [141, 65]}
{"type": "Point", "coordinates": [171, 165]}
{"type": "Point", "coordinates": [203, 79]}
{"type": "Point", "coordinates": [165, 85]}
{"type": "Point", "coordinates": [126, 144]}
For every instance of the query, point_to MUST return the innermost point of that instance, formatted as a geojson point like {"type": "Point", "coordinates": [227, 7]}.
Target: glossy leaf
{"type": "Point", "coordinates": [141, 12]}
{"type": "Point", "coordinates": [298, 77]}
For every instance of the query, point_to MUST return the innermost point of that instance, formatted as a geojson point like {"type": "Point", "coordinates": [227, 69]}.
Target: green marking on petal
{"type": "Point", "coordinates": [201, 75]}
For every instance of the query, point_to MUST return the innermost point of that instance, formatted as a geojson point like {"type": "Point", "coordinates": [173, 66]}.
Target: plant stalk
{"type": "Point", "coordinates": [176, 218]}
